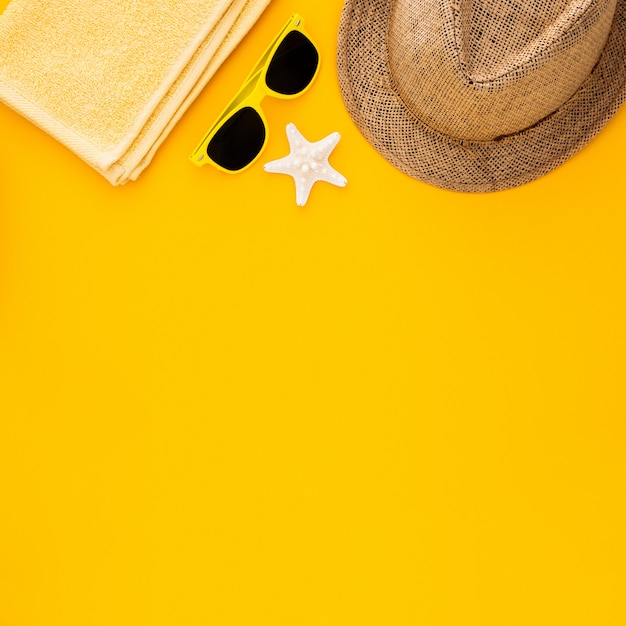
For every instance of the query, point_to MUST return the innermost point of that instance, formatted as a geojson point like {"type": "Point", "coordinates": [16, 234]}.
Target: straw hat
{"type": "Point", "coordinates": [481, 95]}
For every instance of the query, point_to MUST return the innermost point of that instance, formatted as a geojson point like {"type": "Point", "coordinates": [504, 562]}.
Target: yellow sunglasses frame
{"type": "Point", "coordinates": [251, 93]}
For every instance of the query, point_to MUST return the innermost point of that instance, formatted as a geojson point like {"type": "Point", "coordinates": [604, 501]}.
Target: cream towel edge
{"type": "Point", "coordinates": [183, 61]}
{"type": "Point", "coordinates": [86, 150]}
{"type": "Point", "coordinates": [210, 59]}
{"type": "Point", "coordinates": [159, 124]}
{"type": "Point", "coordinates": [109, 163]}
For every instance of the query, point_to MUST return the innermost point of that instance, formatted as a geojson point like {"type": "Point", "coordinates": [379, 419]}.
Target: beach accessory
{"type": "Point", "coordinates": [111, 79]}
{"type": "Point", "coordinates": [286, 70]}
{"type": "Point", "coordinates": [481, 95]}
{"type": "Point", "coordinates": [307, 163]}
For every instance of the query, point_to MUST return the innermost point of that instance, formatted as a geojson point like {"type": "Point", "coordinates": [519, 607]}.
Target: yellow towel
{"type": "Point", "coordinates": [110, 78]}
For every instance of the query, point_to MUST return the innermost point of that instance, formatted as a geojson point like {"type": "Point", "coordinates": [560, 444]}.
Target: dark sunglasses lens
{"type": "Point", "coordinates": [293, 65]}
{"type": "Point", "coordinates": [238, 142]}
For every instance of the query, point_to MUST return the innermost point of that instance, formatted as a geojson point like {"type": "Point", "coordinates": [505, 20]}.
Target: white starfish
{"type": "Point", "coordinates": [307, 163]}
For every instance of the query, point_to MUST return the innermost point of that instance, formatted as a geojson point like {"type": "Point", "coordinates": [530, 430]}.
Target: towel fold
{"type": "Point", "coordinates": [110, 78]}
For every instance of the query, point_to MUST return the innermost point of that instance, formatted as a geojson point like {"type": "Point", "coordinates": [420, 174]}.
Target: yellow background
{"type": "Point", "coordinates": [395, 406]}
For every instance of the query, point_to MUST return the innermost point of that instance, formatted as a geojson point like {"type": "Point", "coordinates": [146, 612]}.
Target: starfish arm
{"type": "Point", "coordinates": [331, 175]}
{"type": "Point", "coordinates": [280, 166]}
{"type": "Point", "coordinates": [327, 145]}
{"type": "Point", "coordinates": [303, 189]}
{"type": "Point", "coordinates": [295, 137]}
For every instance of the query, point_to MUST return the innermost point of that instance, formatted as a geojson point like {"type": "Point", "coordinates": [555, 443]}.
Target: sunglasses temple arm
{"type": "Point", "coordinates": [262, 62]}
{"type": "Point", "coordinates": [246, 89]}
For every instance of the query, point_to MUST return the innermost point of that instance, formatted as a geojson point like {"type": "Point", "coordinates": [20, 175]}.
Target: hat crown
{"type": "Point", "coordinates": [478, 69]}
{"type": "Point", "coordinates": [495, 39]}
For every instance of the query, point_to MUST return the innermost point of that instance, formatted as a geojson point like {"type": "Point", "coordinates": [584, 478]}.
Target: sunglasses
{"type": "Point", "coordinates": [286, 70]}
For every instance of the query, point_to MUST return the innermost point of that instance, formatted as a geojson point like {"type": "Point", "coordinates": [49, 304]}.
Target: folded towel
{"type": "Point", "coordinates": [110, 78]}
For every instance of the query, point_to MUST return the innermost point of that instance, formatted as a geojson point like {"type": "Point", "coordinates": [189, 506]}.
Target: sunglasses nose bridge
{"type": "Point", "coordinates": [256, 96]}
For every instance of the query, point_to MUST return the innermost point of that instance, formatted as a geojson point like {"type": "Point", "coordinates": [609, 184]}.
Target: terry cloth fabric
{"type": "Point", "coordinates": [110, 78]}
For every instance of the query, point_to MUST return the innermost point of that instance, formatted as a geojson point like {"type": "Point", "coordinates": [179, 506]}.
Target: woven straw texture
{"type": "Point", "coordinates": [481, 96]}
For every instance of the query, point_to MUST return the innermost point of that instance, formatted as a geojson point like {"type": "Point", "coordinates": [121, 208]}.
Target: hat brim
{"type": "Point", "coordinates": [448, 162]}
